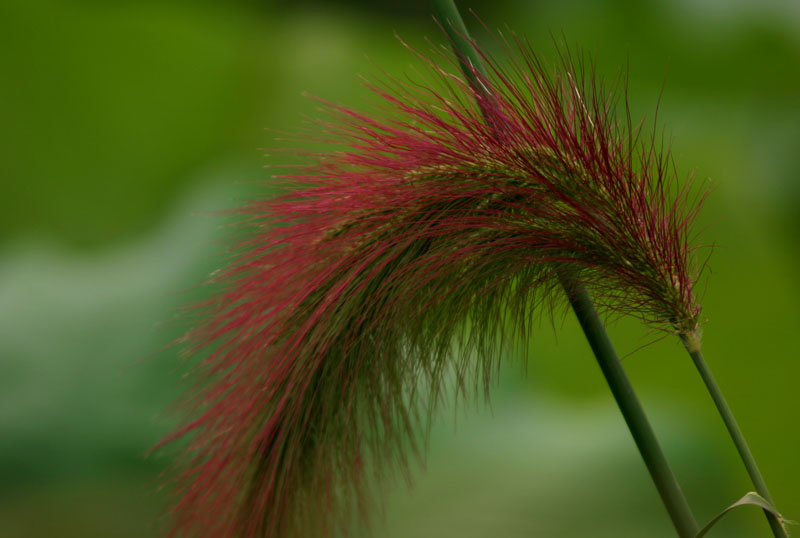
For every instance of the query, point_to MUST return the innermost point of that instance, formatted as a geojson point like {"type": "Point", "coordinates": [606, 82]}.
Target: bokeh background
{"type": "Point", "coordinates": [124, 125]}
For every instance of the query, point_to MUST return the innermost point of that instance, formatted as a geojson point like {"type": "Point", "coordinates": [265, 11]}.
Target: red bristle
{"type": "Point", "coordinates": [330, 335]}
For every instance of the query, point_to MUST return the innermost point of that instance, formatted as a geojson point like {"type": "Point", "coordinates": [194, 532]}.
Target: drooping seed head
{"type": "Point", "coordinates": [417, 247]}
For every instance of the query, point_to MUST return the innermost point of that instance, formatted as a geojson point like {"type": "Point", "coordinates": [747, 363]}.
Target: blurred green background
{"type": "Point", "coordinates": [124, 125]}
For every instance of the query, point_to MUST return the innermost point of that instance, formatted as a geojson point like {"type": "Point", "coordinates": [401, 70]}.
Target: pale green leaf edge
{"type": "Point", "coordinates": [752, 498]}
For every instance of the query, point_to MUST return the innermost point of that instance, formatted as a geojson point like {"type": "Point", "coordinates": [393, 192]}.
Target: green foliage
{"type": "Point", "coordinates": [113, 113]}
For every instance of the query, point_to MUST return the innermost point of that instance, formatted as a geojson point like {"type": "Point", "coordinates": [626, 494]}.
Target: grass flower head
{"type": "Point", "coordinates": [418, 245]}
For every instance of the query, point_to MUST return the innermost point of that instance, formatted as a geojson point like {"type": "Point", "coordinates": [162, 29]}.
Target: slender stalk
{"type": "Point", "coordinates": [643, 435]}
{"type": "Point", "coordinates": [693, 347]}
{"type": "Point", "coordinates": [595, 332]}
{"type": "Point", "coordinates": [452, 23]}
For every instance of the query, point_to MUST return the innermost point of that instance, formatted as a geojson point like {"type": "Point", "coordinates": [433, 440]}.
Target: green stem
{"type": "Point", "coordinates": [452, 23]}
{"type": "Point", "coordinates": [582, 304]}
{"type": "Point", "coordinates": [693, 347]}
{"type": "Point", "coordinates": [643, 435]}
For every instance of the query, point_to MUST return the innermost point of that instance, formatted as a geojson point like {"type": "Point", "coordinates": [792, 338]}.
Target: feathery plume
{"type": "Point", "coordinates": [420, 247]}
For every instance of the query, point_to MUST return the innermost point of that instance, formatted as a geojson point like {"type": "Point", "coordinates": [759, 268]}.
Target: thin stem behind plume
{"type": "Point", "coordinates": [453, 25]}
{"type": "Point", "coordinates": [736, 434]}
{"type": "Point", "coordinates": [644, 437]}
